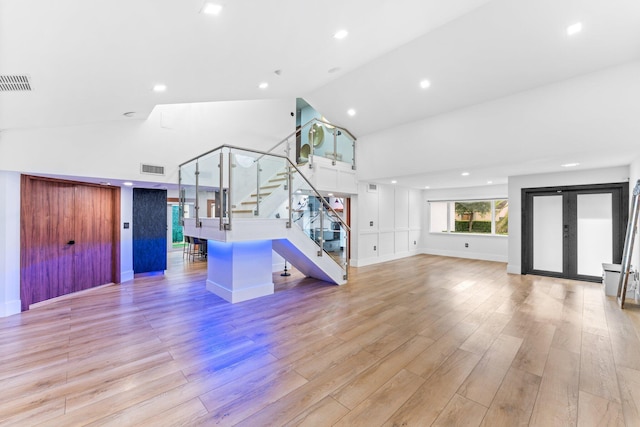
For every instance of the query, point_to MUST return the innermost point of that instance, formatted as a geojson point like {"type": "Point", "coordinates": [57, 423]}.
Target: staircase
{"type": "Point", "coordinates": [264, 203]}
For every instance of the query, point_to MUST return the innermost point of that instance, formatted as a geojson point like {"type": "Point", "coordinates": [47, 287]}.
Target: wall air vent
{"type": "Point", "coordinates": [14, 83]}
{"type": "Point", "coordinates": [372, 188]}
{"type": "Point", "coordinates": [151, 169]}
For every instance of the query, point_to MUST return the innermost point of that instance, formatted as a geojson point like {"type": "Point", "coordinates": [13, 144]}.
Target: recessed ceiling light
{"type": "Point", "coordinates": [211, 8]}
{"type": "Point", "coordinates": [340, 34]}
{"type": "Point", "coordinates": [330, 194]}
{"type": "Point", "coordinates": [128, 184]}
{"type": "Point", "coordinates": [425, 84]}
{"type": "Point", "coordinates": [574, 28]}
{"type": "Point", "coordinates": [129, 114]}
{"type": "Point", "coordinates": [159, 87]}
{"type": "Point", "coordinates": [465, 174]}
{"type": "Point", "coordinates": [394, 182]}
{"type": "Point", "coordinates": [426, 187]}
{"type": "Point", "coordinates": [489, 182]}
{"type": "Point", "coordinates": [263, 85]}
{"type": "Point", "coordinates": [570, 165]}
{"type": "Point", "coordinates": [351, 112]}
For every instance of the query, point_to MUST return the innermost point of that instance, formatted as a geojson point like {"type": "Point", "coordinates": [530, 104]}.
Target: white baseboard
{"type": "Point", "coordinates": [10, 308]}
{"type": "Point", "coordinates": [239, 295]}
{"type": "Point", "coordinates": [514, 269]}
{"type": "Point", "coordinates": [125, 276]}
{"type": "Point", "coordinates": [466, 254]}
{"type": "Point", "coordinates": [384, 258]}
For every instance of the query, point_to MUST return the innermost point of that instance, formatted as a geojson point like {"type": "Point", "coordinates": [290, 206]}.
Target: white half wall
{"type": "Point", "coordinates": [386, 224]}
{"type": "Point", "coordinates": [484, 247]}
{"type": "Point", "coordinates": [517, 183]}
{"type": "Point", "coordinates": [9, 243]}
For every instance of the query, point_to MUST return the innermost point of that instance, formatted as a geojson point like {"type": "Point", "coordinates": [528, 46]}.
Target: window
{"type": "Point", "coordinates": [470, 216]}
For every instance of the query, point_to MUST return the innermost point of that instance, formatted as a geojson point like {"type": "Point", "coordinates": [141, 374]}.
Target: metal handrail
{"type": "Point", "coordinates": [314, 120]}
{"type": "Point", "coordinates": [291, 164]}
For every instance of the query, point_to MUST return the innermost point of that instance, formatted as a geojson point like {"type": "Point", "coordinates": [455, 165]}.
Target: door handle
{"type": "Point", "coordinates": [71, 242]}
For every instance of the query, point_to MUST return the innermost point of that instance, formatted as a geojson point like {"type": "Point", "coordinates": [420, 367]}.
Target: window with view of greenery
{"type": "Point", "coordinates": [472, 216]}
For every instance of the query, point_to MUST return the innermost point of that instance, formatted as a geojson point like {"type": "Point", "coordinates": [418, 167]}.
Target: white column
{"type": "Point", "coordinates": [9, 243]}
{"type": "Point", "coordinates": [240, 271]}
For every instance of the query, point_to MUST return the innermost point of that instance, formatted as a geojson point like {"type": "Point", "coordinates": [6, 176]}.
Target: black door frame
{"type": "Point", "coordinates": [620, 214]}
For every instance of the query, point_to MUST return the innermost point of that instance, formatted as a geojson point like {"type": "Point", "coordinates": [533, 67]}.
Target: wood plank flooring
{"type": "Point", "coordinates": [422, 341]}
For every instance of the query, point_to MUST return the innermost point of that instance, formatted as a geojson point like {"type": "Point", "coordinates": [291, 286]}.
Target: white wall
{"type": "Point", "coordinates": [490, 248]}
{"type": "Point", "coordinates": [9, 243]}
{"type": "Point", "coordinates": [517, 183]}
{"type": "Point", "coordinates": [126, 235]}
{"type": "Point", "coordinates": [396, 217]}
{"type": "Point", "coordinates": [171, 135]}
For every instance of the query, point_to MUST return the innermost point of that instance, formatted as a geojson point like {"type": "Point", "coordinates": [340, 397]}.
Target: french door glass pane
{"type": "Point", "coordinates": [595, 238]}
{"type": "Point", "coordinates": [547, 233]}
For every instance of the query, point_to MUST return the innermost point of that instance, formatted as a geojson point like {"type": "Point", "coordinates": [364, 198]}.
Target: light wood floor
{"type": "Point", "coordinates": [423, 341]}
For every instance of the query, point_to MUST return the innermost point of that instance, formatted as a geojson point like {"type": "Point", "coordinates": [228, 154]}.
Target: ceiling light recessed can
{"type": "Point", "coordinates": [128, 183]}
{"type": "Point", "coordinates": [351, 112]}
{"type": "Point", "coordinates": [340, 34]}
{"type": "Point", "coordinates": [394, 181]}
{"type": "Point", "coordinates": [489, 182]}
{"type": "Point", "coordinates": [210, 8]}
{"type": "Point", "coordinates": [426, 187]}
{"type": "Point", "coordinates": [425, 84]}
{"type": "Point", "coordinates": [570, 165]}
{"type": "Point", "coordinates": [263, 85]}
{"type": "Point", "coordinates": [129, 114]}
{"type": "Point", "coordinates": [159, 87]}
{"type": "Point", "coordinates": [465, 174]}
{"type": "Point", "coordinates": [574, 28]}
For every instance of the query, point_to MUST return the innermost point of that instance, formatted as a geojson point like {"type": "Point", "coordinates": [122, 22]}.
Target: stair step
{"type": "Point", "coordinates": [277, 179]}
{"type": "Point", "coordinates": [241, 211]}
{"type": "Point", "coordinates": [270, 186]}
{"type": "Point", "coordinates": [261, 194]}
{"type": "Point", "coordinates": [249, 203]}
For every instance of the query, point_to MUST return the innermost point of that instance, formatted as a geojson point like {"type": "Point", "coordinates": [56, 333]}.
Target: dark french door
{"type": "Point", "coordinates": [570, 231]}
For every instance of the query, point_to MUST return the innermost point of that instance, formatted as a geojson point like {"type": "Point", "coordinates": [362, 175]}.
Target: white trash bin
{"type": "Point", "coordinates": [611, 278]}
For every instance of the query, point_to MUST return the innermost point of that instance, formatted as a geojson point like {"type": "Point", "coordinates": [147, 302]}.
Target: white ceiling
{"type": "Point", "coordinates": [91, 62]}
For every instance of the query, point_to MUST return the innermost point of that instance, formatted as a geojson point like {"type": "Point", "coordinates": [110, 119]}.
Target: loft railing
{"type": "Point", "coordinates": [318, 138]}
{"type": "Point", "coordinates": [230, 182]}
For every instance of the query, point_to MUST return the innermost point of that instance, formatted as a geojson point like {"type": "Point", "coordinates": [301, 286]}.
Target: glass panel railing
{"type": "Point", "coordinates": [344, 147]}
{"type": "Point", "coordinates": [259, 183]}
{"type": "Point", "coordinates": [233, 183]}
{"type": "Point", "coordinates": [188, 199]}
{"type": "Point", "coordinates": [209, 185]}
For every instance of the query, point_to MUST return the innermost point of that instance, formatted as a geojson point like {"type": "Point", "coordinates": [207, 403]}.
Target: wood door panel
{"type": "Point", "coordinates": [93, 231]}
{"type": "Point", "coordinates": [55, 212]}
{"type": "Point", "coordinates": [46, 258]}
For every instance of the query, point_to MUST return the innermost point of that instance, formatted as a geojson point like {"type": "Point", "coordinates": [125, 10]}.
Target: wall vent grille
{"type": "Point", "coordinates": [373, 188]}
{"type": "Point", "coordinates": [15, 83]}
{"type": "Point", "coordinates": [151, 169]}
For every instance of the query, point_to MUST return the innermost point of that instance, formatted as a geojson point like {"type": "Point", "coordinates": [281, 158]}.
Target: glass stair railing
{"type": "Point", "coordinates": [230, 183]}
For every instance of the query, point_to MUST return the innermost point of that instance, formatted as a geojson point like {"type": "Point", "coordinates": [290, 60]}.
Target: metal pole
{"type": "Point", "coordinates": [321, 230]}
{"type": "Point", "coordinates": [257, 211]}
{"type": "Point", "coordinates": [197, 207]}
{"type": "Point", "coordinates": [221, 191]}
{"type": "Point", "coordinates": [229, 191]}
{"type": "Point", "coordinates": [290, 188]}
{"type": "Point", "coordinates": [335, 146]}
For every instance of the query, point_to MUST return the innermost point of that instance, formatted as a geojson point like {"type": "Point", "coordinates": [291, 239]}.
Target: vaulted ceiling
{"type": "Point", "coordinates": [92, 62]}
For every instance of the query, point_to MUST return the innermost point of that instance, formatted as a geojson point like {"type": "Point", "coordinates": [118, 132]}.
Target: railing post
{"type": "Point", "coordinates": [197, 204]}
{"type": "Point", "coordinates": [221, 191]}
{"type": "Point", "coordinates": [181, 197]}
{"type": "Point", "coordinates": [229, 193]}
{"type": "Point", "coordinates": [258, 170]}
{"type": "Point", "coordinates": [321, 229]}
{"type": "Point", "coordinates": [290, 188]}
{"type": "Point", "coordinates": [353, 162]}
{"type": "Point", "coordinates": [335, 146]}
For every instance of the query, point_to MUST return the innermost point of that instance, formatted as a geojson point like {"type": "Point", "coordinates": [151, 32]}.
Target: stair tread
{"type": "Point", "coordinates": [250, 202]}
{"type": "Point", "coordinates": [270, 186]}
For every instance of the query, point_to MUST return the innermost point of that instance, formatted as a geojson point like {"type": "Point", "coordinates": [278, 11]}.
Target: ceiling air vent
{"type": "Point", "coordinates": [373, 188]}
{"type": "Point", "coordinates": [151, 169]}
{"type": "Point", "coordinates": [14, 83]}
